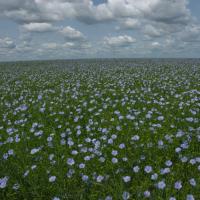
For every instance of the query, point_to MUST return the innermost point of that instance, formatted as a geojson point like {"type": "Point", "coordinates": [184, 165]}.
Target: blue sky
{"type": "Point", "coordinates": [65, 29]}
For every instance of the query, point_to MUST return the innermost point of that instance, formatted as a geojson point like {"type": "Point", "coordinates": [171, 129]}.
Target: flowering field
{"type": "Point", "coordinates": [108, 129]}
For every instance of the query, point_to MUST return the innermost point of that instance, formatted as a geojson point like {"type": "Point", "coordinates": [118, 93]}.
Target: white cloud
{"type": "Point", "coordinates": [190, 34]}
{"type": "Point", "coordinates": [119, 41]}
{"type": "Point", "coordinates": [56, 46]}
{"type": "Point", "coordinates": [128, 24]}
{"type": "Point", "coordinates": [71, 34]}
{"type": "Point", "coordinates": [155, 45]}
{"type": "Point", "coordinates": [38, 27]}
{"type": "Point", "coordinates": [168, 11]}
{"type": "Point", "coordinates": [152, 31]}
{"type": "Point", "coordinates": [7, 43]}
{"type": "Point", "coordinates": [7, 48]}
{"type": "Point", "coordinates": [68, 45]}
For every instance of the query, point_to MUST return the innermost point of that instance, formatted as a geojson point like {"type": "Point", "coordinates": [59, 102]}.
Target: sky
{"type": "Point", "coordinates": [74, 29]}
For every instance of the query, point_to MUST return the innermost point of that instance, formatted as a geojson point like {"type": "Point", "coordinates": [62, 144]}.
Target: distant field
{"type": "Point", "coordinates": [100, 129]}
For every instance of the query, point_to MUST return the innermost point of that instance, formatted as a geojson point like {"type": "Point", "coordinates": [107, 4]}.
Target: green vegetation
{"type": "Point", "coordinates": [100, 129]}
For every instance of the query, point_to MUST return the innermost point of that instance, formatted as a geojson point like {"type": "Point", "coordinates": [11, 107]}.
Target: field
{"type": "Point", "coordinates": [100, 129]}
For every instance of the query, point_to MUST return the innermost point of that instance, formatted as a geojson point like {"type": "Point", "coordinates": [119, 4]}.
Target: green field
{"type": "Point", "coordinates": [100, 129]}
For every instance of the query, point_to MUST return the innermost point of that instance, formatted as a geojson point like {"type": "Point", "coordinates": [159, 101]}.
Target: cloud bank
{"type": "Point", "coordinates": [140, 25]}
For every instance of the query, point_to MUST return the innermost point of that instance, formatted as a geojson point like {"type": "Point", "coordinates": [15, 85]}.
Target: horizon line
{"type": "Point", "coordinates": [103, 58]}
